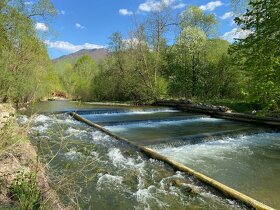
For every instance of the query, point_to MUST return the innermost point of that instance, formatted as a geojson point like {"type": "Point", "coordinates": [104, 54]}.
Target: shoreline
{"type": "Point", "coordinates": [220, 112]}
{"type": "Point", "coordinates": [19, 160]}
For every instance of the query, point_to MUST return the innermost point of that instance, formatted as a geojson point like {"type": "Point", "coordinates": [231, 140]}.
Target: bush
{"type": "Point", "coordinates": [25, 190]}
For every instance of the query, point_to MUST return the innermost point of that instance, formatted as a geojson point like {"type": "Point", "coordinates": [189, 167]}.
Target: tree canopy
{"type": "Point", "coordinates": [24, 62]}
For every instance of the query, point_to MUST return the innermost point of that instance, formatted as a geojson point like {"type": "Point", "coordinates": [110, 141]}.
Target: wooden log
{"type": "Point", "coordinates": [92, 124]}
{"type": "Point", "coordinates": [227, 191]}
{"type": "Point", "coordinates": [215, 112]}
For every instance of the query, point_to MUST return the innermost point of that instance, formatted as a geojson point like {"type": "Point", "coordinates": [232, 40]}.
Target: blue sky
{"type": "Point", "coordinates": [89, 23]}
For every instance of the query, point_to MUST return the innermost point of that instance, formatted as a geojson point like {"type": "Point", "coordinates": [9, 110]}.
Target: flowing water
{"type": "Point", "coordinates": [108, 174]}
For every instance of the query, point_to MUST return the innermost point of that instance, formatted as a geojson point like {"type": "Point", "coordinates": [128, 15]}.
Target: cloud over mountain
{"type": "Point", "coordinates": [69, 47]}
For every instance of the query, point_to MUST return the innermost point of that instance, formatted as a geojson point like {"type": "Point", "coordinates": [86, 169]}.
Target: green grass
{"type": "Point", "coordinates": [24, 188]}
{"type": "Point", "coordinates": [25, 191]}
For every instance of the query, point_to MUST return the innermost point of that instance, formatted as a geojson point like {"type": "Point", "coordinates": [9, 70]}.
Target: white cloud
{"type": "Point", "coordinates": [227, 15]}
{"type": "Point", "coordinates": [211, 5]}
{"type": "Point", "coordinates": [28, 3]}
{"type": "Point", "coordinates": [69, 47]}
{"type": "Point", "coordinates": [131, 42]}
{"type": "Point", "coordinates": [150, 6]}
{"type": "Point", "coordinates": [125, 12]}
{"type": "Point", "coordinates": [61, 12]}
{"type": "Point", "coordinates": [179, 5]}
{"type": "Point", "coordinates": [157, 5]}
{"type": "Point", "coordinates": [79, 26]}
{"type": "Point", "coordinates": [41, 27]}
{"type": "Point", "coordinates": [236, 33]}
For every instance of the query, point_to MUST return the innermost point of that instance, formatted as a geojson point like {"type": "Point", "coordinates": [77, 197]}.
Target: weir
{"type": "Point", "coordinates": [242, 156]}
{"type": "Point", "coordinates": [217, 112]}
{"type": "Point", "coordinates": [199, 138]}
{"type": "Point", "coordinates": [227, 191]}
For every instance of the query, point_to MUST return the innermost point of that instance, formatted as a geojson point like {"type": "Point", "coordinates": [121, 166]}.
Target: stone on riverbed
{"type": "Point", "coordinates": [183, 185]}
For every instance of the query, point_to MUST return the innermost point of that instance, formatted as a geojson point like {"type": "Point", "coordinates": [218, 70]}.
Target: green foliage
{"type": "Point", "coordinates": [145, 68]}
{"type": "Point", "coordinates": [258, 54]}
{"type": "Point", "coordinates": [131, 72]}
{"type": "Point", "coordinates": [196, 18]}
{"type": "Point", "coordinates": [10, 135]}
{"type": "Point", "coordinates": [78, 82]}
{"type": "Point", "coordinates": [221, 78]}
{"type": "Point", "coordinates": [25, 190]}
{"type": "Point", "coordinates": [82, 76]}
{"type": "Point", "coordinates": [23, 57]}
{"type": "Point", "coordinates": [186, 62]}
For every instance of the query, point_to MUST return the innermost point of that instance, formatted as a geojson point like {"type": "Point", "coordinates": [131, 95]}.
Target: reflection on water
{"type": "Point", "coordinates": [243, 156]}
{"type": "Point", "coordinates": [69, 106]}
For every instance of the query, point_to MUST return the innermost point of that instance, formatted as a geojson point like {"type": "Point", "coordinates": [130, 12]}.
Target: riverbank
{"type": "Point", "coordinates": [219, 112]}
{"type": "Point", "coordinates": [24, 183]}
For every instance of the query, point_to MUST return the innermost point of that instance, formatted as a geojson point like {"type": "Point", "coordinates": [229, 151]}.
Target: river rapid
{"type": "Point", "coordinates": [94, 171]}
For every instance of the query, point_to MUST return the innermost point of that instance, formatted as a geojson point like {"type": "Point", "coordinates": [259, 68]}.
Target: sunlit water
{"type": "Point", "coordinates": [243, 156]}
{"type": "Point", "coordinates": [107, 174]}
{"type": "Point", "coordinates": [250, 164]}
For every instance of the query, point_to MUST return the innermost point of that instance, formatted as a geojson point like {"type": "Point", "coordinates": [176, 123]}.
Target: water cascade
{"type": "Point", "coordinates": [240, 155]}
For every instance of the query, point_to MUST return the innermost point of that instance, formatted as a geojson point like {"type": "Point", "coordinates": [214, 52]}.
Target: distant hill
{"type": "Point", "coordinates": [95, 54]}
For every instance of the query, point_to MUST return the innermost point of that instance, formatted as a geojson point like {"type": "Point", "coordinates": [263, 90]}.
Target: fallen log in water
{"type": "Point", "coordinates": [220, 112]}
{"type": "Point", "coordinates": [227, 191]}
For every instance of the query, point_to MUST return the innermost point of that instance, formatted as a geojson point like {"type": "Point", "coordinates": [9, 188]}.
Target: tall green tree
{"type": "Point", "coordinates": [82, 76]}
{"type": "Point", "coordinates": [24, 62]}
{"type": "Point", "coordinates": [187, 62]}
{"type": "Point", "coordinates": [195, 17]}
{"type": "Point", "coordinates": [259, 54]}
{"type": "Point", "coordinates": [221, 79]}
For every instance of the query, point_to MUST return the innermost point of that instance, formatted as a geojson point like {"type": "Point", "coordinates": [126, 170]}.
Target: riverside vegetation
{"type": "Point", "coordinates": [144, 67]}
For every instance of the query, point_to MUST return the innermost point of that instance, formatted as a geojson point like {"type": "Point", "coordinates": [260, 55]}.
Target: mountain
{"type": "Point", "coordinates": [95, 54]}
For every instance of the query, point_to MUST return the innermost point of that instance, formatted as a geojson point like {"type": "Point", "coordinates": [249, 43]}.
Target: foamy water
{"type": "Point", "coordinates": [248, 163]}
{"type": "Point", "coordinates": [130, 112]}
{"type": "Point", "coordinates": [222, 148]}
{"type": "Point", "coordinates": [157, 124]}
{"type": "Point", "coordinates": [113, 175]}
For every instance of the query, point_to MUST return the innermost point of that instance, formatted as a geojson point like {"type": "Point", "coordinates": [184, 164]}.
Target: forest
{"type": "Point", "coordinates": [147, 66]}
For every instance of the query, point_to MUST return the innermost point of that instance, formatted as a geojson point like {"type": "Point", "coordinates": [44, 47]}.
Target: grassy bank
{"type": "Point", "coordinates": [23, 181]}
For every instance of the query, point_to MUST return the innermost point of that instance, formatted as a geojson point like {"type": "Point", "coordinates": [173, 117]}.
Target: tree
{"type": "Point", "coordinates": [82, 76]}
{"type": "Point", "coordinates": [187, 61]}
{"type": "Point", "coordinates": [221, 79]}
{"type": "Point", "coordinates": [158, 25]}
{"type": "Point", "coordinates": [258, 54]}
{"type": "Point", "coordinates": [24, 57]}
{"type": "Point", "coordinates": [195, 17]}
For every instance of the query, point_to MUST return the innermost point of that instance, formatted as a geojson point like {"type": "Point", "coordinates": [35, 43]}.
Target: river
{"type": "Point", "coordinates": [103, 173]}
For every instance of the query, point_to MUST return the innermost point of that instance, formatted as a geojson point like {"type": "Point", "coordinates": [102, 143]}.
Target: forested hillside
{"type": "Point", "coordinates": [95, 54]}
